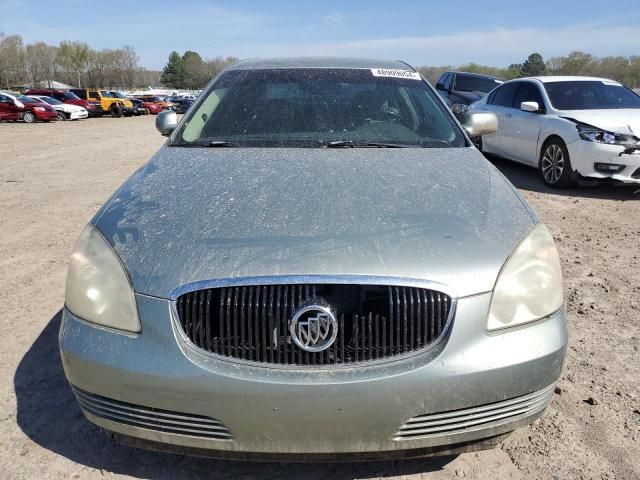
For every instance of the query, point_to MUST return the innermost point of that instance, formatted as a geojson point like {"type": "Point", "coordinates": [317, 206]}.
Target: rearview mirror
{"type": "Point", "coordinates": [166, 122]}
{"type": "Point", "coordinates": [530, 107]}
{"type": "Point", "coordinates": [478, 124]}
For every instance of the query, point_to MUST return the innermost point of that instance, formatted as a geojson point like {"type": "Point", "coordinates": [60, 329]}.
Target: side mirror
{"type": "Point", "coordinates": [166, 122]}
{"type": "Point", "coordinates": [439, 86]}
{"type": "Point", "coordinates": [478, 124]}
{"type": "Point", "coordinates": [530, 107]}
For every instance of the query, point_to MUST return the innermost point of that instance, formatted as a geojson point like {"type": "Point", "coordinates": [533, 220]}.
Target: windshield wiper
{"type": "Point", "coordinates": [359, 144]}
{"type": "Point", "coordinates": [221, 143]}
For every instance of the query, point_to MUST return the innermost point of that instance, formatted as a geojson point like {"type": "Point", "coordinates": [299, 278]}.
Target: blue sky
{"type": "Point", "coordinates": [493, 32]}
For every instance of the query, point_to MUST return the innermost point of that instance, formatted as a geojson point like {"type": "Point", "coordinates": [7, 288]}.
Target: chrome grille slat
{"type": "Point", "coordinates": [251, 322]}
{"type": "Point", "coordinates": [125, 407]}
{"type": "Point", "coordinates": [532, 397]}
{"type": "Point", "coordinates": [151, 418]}
{"type": "Point", "coordinates": [154, 420]}
{"type": "Point", "coordinates": [446, 423]}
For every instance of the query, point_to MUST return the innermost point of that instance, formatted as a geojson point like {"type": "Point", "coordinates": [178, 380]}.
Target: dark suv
{"type": "Point", "coordinates": [461, 89]}
{"type": "Point", "coordinates": [66, 96]}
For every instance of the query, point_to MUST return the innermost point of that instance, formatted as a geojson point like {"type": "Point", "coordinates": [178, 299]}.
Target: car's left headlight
{"type": "Point", "coordinates": [529, 286]}
{"type": "Point", "coordinates": [98, 288]}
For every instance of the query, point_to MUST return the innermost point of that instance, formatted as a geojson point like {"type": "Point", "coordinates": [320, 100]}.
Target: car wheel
{"type": "Point", "coordinates": [555, 165]}
{"type": "Point", "coordinates": [115, 111]}
{"type": "Point", "coordinates": [61, 116]}
{"type": "Point", "coordinates": [28, 117]}
{"type": "Point", "coordinates": [146, 111]}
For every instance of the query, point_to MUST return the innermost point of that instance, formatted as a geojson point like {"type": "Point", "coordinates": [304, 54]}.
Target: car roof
{"type": "Point", "coordinates": [472, 74]}
{"type": "Point", "coordinates": [317, 62]}
{"type": "Point", "coordinates": [566, 78]}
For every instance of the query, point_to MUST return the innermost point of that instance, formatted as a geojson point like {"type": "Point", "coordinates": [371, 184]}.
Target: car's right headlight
{"type": "Point", "coordinates": [459, 108]}
{"type": "Point", "coordinates": [529, 286]}
{"type": "Point", "coordinates": [98, 288]}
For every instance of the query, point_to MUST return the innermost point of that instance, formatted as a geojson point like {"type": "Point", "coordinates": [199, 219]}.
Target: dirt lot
{"type": "Point", "coordinates": [54, 177]}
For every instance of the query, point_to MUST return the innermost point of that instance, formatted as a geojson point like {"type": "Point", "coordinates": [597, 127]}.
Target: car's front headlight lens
{"type": "Point", "coordinates": [459, 108]}
{"type": "Point", "coordinates": [529, 286]}
{"type": "Point", "coordinates": [98, 288]}
{"type": "Point", "coordinates": [596, 135]}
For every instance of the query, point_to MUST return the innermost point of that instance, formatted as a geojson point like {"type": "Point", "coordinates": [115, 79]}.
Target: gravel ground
{"type": "Point", "coordinates": [54, 177]}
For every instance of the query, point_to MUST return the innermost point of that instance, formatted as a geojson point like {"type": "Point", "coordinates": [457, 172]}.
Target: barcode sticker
{"type": "Point", "coordinates": [392, 73]}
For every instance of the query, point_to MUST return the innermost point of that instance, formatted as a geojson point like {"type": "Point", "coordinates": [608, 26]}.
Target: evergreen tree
{"type": "Point", "coordinates": [533, 66]}
{"type": "Point", "coordinates": [195, 70]}
{"type": "Point", "coordinates": [173, 72]}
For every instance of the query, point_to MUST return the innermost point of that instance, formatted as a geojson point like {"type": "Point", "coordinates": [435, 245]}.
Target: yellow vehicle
{"type": "Point", "coordinates": [116, 107]}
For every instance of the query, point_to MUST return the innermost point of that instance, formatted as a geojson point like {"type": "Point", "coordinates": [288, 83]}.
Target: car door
{"type": "Point", "coordinates": [8, 109]}
{"type": "Point", "coordinates": [521, 131]}
{"type": "Point", "coordinates": [500, 102]}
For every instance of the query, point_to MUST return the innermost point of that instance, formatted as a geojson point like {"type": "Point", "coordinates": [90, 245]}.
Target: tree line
{"type": "Point", "coordinates": [190, 71]}
{"type": "Point", "coordinates": [71, 62]}
{"type": "Point", "coordinates": [77, 64]}
{"type": "Point", "coordinates": [623, 69]}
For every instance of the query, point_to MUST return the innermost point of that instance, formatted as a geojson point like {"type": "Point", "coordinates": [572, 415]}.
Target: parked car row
{"type": "Point", "coordinates": [79, 103]}
{"type": "Point", "coordinates": [27, 109]}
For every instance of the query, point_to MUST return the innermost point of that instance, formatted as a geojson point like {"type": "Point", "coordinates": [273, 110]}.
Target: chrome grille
{"type": "Point", "coordinates": [374, 321]}
{"type": "Point", "coordinates": [151, 418]}
{"type": "Point", "coordinates": [457, 421]}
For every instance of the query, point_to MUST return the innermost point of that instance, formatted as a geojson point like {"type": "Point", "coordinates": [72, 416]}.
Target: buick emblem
{"type": "Point", "coordinates": [314, 328]}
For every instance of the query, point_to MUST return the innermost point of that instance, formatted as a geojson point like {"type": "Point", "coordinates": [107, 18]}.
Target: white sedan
{"type": "Point", "coordinates": [65, 111]}
{"type": "Point", "coordinates": [570, 128]}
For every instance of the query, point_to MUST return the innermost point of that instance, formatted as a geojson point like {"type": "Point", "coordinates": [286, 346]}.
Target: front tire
{"type": "Point", "coordinates": [116, 111]}
{"type": "Point", "coordinates": [62, 117]}
{"type": "Point", "coordinates": [555, 164]}
{"type": "Point", "coordinates": [28, 117]}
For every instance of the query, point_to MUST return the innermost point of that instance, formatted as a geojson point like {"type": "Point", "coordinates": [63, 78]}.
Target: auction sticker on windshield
{"type": "Point", "coordinates": [392, 73]}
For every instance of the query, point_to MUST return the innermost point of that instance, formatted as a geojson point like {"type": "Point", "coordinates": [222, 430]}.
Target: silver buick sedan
{"type": "Point", "coordinates": [317, 265]}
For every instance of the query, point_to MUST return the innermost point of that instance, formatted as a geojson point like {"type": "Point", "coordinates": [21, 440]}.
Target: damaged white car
{"type": "Point", "coordinates": [570, 128]}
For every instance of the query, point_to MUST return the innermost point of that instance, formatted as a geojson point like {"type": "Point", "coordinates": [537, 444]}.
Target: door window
{"type": "Point", "coordinates": [528, 92]}
{"type": "Point", "coordinates": [447, 81]}
{"type": "Point", "coordinates": [504, 95]}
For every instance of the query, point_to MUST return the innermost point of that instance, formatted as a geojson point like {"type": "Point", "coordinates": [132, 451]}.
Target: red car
{"type": "Point", "coordinates": [153, 108]}
{"type": "Point", "coordinates": [93, 108]}
{"type": "Point", "coordinates": [27, 109]}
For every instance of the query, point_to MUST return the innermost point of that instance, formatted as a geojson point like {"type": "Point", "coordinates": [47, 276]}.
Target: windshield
{"type": "Point", "coordinates": [591, 95]}
{"type": "Point", "coordinates": [70, 96]}
{"type": "Point", "coordinates": [29, 100]}
{"type": "Point", "coordinates": [474, 83]}
{"type": "Point", "coordinates": [116, 95]}
{"type": "Point", "coordinates": [315, 107]}
{"type": "Point", "coordinates": [51, 101]}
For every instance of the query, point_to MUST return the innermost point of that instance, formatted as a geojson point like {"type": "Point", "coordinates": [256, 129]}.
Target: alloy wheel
{"type": "Point", "coordinates": [552, 163]}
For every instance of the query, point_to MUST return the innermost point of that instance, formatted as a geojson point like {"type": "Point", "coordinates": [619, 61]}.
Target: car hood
{"type": "Point", "coordinates": [621, 120]}
{"type": "Point", "coordinates": [470, 97]}
{"type": "Point", "coordinates": [194, 214]}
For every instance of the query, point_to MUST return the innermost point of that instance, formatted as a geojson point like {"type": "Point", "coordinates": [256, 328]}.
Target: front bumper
{"type": "Point", "coordinates": [584, 156]}
{"type": "Point", "coordinates": [78, 115]}
{"type": "Point", "coordinates": [358, 411]}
